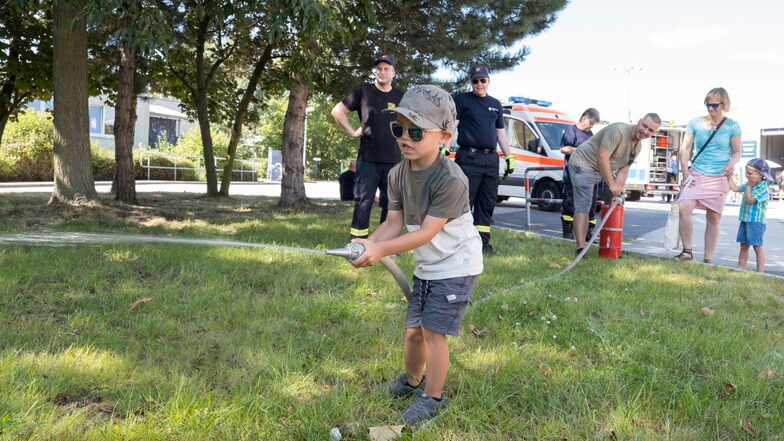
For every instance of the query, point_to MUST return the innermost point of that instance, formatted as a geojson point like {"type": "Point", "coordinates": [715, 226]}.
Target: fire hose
{"type": "Point", "coordinates": [615, 202]}
{"type": "Point", "coordinates": [353, 250]}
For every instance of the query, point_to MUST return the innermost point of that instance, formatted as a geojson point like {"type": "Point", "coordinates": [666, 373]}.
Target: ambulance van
{"type": "Point", "coordinates": [534, 130]}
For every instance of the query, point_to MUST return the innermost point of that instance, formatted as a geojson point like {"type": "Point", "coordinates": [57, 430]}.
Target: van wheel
{"type": "Point", "coordinates": [500, 199]}
{"type": "Point", "coordinates": [634, 196]}
{"type": "Point", "coordinates": [548, 190]}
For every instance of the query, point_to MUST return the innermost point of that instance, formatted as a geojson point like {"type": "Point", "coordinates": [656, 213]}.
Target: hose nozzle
{"type": "Point", "coordinates": [351, 251]}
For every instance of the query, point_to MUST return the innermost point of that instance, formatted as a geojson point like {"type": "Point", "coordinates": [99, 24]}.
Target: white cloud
{"type": "Point", "coordinates": [688, 37]}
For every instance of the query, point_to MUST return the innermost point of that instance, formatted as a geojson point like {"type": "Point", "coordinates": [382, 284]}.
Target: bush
{"type": "Point", "coordinates": [26, 152]}
{"type": "Point", "coordinates": [104, 165]}
{"type": "Point", "coordinates": [190, 144]}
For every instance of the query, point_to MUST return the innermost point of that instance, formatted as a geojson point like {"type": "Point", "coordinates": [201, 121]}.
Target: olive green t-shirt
{"type": "Point", "coordinates": [439, 191]}
{"type": "Point", "coordinates": [615, 138]}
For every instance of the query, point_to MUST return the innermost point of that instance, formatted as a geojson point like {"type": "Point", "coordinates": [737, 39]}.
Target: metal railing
{"type": "Point", "coordinates": [529, 199]}
{"type": "Point", "coordinates": [185, 162]}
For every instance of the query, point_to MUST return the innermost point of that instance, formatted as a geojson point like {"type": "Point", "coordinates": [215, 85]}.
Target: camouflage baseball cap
{"type": "Point", "coordinates": [429, 107]}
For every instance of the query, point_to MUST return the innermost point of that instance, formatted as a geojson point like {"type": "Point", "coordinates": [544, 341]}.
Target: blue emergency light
{"type": "Point", "coordinates": [526, 100]}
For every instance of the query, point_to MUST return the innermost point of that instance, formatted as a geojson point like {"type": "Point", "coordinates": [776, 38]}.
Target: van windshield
{"type": "Point", "coordinates": [553, 132]}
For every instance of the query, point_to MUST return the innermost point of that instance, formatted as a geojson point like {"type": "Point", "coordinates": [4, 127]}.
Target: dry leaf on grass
{"type": "Point", "coordinates": [477, 332]}
{"type": "Point", "coordinates": [555, 265]}
{"type": "Point", "coordinates": [544, 369]}
{"type": "Point", "coordinates": [729, 387]}
{"type": "Point", "coordinates": [767, 373]}
{"type": "Point", "coordinates": [749, 428]}
{"type": "Point", "coordinates": [139, 301]}
{"type": "Point", "coordinates": [385, 433]}
{"type": "Point", "coordinates": [532, 313]}
{"type": "Point", "coordinates": [707, 311]}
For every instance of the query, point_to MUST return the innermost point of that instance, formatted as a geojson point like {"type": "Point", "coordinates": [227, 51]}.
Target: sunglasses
{"type": "Point", "coordinates": [415, 133]}
{"type": "Point", "coordinates": [479, 80]}
{"type": "Point", "coordinates": [713, 106]}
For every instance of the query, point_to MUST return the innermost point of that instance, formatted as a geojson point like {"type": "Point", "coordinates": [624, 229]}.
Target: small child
{"type": "Point", "coordinates": [752, 211]}
{"type": "Point", "coordinates": [428, 194]}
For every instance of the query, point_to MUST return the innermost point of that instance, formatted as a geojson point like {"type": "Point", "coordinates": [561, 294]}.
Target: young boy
{"type": "Point", "coordinates": [752, 211]}
{"type": "Point", "coordinates": [428, 194]}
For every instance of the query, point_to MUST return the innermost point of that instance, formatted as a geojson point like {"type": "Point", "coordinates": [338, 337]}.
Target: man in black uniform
{"type": "Point", "coordinates": [346, 180]}
{"type": "Point", "coordinates": [480, 132]}
{"type": "Point", "coordinates": [378, 150]}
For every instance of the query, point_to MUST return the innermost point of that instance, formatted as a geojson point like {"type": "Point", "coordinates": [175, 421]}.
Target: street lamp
{"type": "Point", "coordinates": [628, 69]}
{"type": "Point", "coordinates": [305, 139]}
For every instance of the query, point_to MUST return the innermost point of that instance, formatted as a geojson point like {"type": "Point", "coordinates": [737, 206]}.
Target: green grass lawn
{"type": "Point", "coordinates": [264, 344]}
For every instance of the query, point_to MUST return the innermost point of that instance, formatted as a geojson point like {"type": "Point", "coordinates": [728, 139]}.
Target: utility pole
{"type": "Point", "coordinates": [628, 69]}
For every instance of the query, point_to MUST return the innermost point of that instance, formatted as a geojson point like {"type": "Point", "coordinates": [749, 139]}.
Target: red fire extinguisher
{"type": "Point", "coordinates": [611, 236]}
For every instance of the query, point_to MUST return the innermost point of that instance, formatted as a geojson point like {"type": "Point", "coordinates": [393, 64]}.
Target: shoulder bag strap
{"type": "Point", "coordinates": [709, 140]}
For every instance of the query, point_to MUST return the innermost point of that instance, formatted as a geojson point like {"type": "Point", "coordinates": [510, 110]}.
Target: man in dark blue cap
{"type": "Point", "coordinates": [479, 134]}
{"type": "Point", "coordinates": [378, 150]}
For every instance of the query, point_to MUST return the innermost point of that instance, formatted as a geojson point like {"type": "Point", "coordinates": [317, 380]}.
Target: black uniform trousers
{"type": "Point", "coordinates": [371, 176]}
{"type": "Point", "coordinates": [481, 168]}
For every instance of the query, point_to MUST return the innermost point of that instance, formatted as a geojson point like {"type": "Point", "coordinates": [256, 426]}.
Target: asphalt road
{"type": "Point", "coordinates": [643, 228]}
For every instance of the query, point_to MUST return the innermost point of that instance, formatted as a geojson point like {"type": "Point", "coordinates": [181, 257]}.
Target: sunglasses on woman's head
{"type": "Point", "coordinates": [712, 105]}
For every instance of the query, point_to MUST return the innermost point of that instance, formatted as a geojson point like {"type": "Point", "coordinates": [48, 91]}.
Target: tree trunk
{"type": "Point", "coordinates": [6, 100]}
{"type": "Point", "coordinates": [206, 141]}
{"type": "Point", "coordinates": [202, 109]}
{"type": "Point", "coordinates": [73, 171]}
{"type": "Point", "coordinates": [239, 118]}
{"type": "Point", "coordinates": [292, 188]}
{"type": "Point", "coordinates": [3, 123]}
{"type": "Point", "coordinates": [124, 126]}
{"type": "Point", "coordinates": [7, 106]}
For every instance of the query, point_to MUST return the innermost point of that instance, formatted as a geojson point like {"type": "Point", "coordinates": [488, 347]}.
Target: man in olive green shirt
{"type": "Point", "coordinates": [606, 156]}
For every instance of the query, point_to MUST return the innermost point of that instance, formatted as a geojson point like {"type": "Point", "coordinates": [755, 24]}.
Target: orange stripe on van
{"type": "Point", "coordinates": [537, 160]}
{"type": "Point", "coordinates": [526, 159]}
{"type": "Point", "coordinates": [535, 111]}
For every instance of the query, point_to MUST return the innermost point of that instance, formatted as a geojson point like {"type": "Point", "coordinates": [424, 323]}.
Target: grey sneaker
{"type": "Point", "coordinates": [423, 410]}
{"type": "Point", "coordinates": [399, 387]}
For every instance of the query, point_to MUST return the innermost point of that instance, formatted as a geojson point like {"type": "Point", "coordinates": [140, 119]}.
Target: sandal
{"type": "Point", "coordinates": [686, 254]}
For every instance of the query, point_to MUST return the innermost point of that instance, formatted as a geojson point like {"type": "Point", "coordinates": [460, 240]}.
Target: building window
{"type": "Point", "coordinates": [108, 120]}
{"type": "Point", "coordinates": [96, 120]}
{"type": "Point", "coordinates": [101, 120]}
{"type": "Point", "coordinates": [162, 127]}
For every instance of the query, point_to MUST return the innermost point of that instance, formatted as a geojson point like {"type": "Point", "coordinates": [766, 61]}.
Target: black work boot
{"type": "Point", "coordinates": [568, 229]}
{"type": "Point", "coordinates": [486, 247]}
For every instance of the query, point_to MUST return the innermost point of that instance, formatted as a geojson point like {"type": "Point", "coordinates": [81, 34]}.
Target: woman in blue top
{"type": "Point", "coordinates": [709, 172]}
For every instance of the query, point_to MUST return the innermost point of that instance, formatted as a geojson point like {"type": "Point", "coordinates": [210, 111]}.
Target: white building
{"type": "Point", "coordinates": [154, 117]}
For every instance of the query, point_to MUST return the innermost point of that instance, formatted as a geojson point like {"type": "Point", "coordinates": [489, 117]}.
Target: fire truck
{"type": "Point", "coordinates": [534, 130]}
{"type": "Point", "coordinates": [649, 173]}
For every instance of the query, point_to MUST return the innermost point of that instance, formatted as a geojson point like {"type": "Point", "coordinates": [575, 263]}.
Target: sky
{"type": "Point", "coordinates": [661, 56]}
